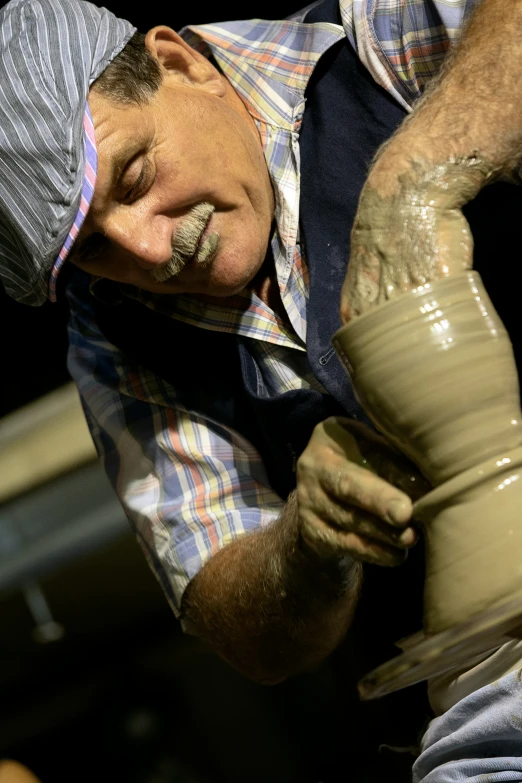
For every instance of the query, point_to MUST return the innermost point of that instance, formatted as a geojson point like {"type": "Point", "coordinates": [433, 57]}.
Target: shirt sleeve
{"type": "Point", "coordinates": [403, 44]}
{"type": "Point", "coordinates": [478, 740]}
{"type": "Point", "coordinates": [188, 485]}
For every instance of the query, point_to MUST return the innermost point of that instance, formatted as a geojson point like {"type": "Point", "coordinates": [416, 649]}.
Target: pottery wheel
{"type": "Point", "coordinates": [428, 656]}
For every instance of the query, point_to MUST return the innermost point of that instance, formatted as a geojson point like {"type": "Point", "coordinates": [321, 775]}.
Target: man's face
{"type": "Point", "coordinates": [183, 201]}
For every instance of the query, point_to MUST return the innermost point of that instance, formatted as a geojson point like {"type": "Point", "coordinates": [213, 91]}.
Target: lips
{"type": "Point", "coordinates": [200, 241]}
{"type": "Point", "coordinates": [207, 246]}
{"type": "Point", "coordinates": [186, 243]}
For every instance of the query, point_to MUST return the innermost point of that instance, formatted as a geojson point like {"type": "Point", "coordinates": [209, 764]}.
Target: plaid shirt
{"type": "Point", "coordinates": [188, 484]}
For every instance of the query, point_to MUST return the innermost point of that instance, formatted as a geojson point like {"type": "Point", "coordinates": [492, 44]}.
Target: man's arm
{"type": "Point", "coordinates": [271, 587]}
{"type": "Point", "coordinates": [464, 133]}
{"type": "Point", "coordinates": [269, 605]}
{"type": "Point", "coordinates": [278, 601]}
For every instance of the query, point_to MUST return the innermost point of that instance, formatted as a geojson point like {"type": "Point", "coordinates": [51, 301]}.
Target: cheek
{"type": "Point", "coordinates": [207, 145]}
{"type": "Point", "coordinates": [169, 173]}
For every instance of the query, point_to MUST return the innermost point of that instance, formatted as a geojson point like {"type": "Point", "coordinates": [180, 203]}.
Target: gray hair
{"type": "Point", "coordinates": [133, 76]}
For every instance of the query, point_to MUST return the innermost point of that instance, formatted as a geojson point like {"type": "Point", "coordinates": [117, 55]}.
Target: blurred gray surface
{"type": "Point", "coordinates": [50, 527]}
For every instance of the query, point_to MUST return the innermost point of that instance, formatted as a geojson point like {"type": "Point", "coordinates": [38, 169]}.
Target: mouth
{"type": "Point", "coordinates": [193, 242]}
{"type": "Point", "coordinates": [207, 245]}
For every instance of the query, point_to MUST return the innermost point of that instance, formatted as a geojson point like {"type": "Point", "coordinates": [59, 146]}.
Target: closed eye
{"type": "Point", "coordinates": [142, 183]}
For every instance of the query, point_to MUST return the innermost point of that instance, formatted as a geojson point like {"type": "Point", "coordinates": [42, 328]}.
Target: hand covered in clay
{"type": "Point", "coordinates": [409, 228]}
{"type": "Point", "coordinates": [354, 494]}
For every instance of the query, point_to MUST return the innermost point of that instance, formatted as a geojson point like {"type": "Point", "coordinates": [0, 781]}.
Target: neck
{"type": "Point", "coordinates": [266, 287]}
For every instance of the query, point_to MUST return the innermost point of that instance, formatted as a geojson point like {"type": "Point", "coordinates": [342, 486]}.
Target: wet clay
{"type": "Point", "coordinates": [434, 369]}
{"type": "Point", "coordinates": [473, 541]}
{"type": "Point", "coordinates": [414, 234]}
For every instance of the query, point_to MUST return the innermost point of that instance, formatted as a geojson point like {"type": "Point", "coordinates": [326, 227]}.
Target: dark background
{"type": "Point", "coordinates": [125, 696]}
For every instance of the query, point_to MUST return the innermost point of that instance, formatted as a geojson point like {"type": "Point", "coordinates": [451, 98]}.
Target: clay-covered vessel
{"type": "Point", "coordinates": [434, 370]}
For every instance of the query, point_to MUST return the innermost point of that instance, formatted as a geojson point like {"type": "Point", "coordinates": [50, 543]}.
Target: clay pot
{"type": "Point", "coordinates": [434, 370]}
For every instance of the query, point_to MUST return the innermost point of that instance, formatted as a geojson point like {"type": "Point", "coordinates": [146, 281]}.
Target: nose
{"type": "Point", "coordinates": [147, 240]}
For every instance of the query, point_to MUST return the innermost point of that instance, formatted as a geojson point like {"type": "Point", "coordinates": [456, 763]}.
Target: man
{"type": "Point", "coordinates": [209, 211]}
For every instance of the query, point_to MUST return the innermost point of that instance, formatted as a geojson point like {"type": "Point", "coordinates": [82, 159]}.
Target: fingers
{"type": "Point", "coordinates": [372, 528]}
{"type": "Point", "coordinates": [333, 527]}
{"type": "Point", "coordinates": [344, 507]}
{"type": "Point", "coordinates": [353, 485]}
{"type": "Point", "coordinates": [326, 510]}
{"type": "Point", "coordinates": [328, 541]}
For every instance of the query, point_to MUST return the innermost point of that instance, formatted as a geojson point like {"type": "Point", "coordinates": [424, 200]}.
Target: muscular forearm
{"type": "Point", "coordinates": [269, 605]}
{"type": "Point", "coordinates": [465, 132]}
{"type": "Point", "coordinates": [475, 105]}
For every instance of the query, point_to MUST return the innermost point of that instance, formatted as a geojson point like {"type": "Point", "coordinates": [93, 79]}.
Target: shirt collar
{"type": "Point", "coordinates": [268, 63]}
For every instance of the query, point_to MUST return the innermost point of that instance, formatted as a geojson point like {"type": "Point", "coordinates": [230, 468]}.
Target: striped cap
{"type": "Point", "coordinates": [51, 51]}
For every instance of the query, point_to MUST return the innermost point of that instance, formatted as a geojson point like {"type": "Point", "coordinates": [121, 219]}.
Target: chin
{"type": "Point", "coordinates": [231, 282]}
{"type": "Point", "coordinates": [229, 273]}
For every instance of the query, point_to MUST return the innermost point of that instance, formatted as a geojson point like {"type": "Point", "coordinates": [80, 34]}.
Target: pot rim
{"type": "Point", "coordinates": [399, 302]}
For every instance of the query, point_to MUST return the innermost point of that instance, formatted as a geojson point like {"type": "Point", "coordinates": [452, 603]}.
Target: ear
{"type": "Point", "coordinates": [182, 63]}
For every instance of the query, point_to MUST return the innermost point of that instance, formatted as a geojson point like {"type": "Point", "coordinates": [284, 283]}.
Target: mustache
{"type": "Point", "coordinates": [185, 242]}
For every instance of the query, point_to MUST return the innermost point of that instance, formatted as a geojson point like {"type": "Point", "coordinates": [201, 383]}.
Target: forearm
{"type": "Point", "coordinates": [475, 105]}
{"type": "Point", "coordinates": [270, 606]}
